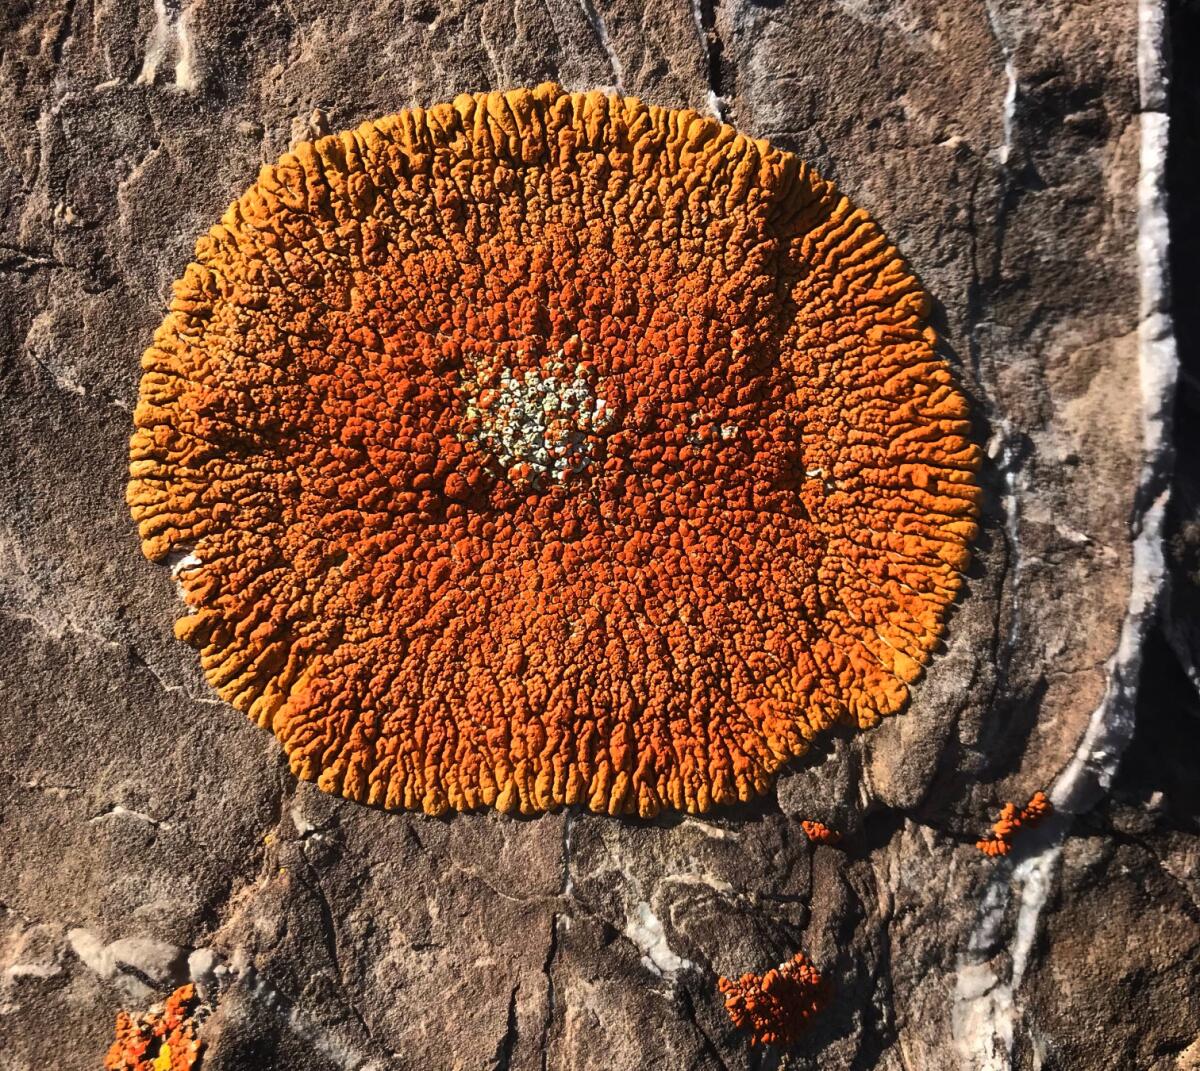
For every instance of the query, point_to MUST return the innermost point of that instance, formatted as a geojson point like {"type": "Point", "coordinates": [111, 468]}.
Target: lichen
{"type": "Point", "coordinates": [163, 1038]}
{"type": "Point", "coordinates": [777, 1008]}
{"type": "Point", "coordinates": [819, 832]}
{"type": "Point", "coordinates": [1012, 820]}
{"type": "Point", "coordinates": [549, 448]}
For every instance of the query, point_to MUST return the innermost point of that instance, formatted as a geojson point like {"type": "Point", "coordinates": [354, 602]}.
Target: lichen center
{"type": "Point", "coordinates": [541, 425]}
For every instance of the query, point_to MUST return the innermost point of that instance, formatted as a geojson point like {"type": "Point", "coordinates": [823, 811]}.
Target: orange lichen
{"type": "Point", "coordinates": [820, 833]}
{"type": "Point", "coordinates": [1011, 819]}
{"type": "Point", "coordinates": [546, 448]}
{"type": "Point", "coordinates": [776, 1008]}
{"type": "Point", "coordinates": [161, 1039]}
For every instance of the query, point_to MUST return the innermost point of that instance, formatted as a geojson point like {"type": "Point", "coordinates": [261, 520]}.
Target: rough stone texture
{"type": "Point", "coordinates": [150, 832]}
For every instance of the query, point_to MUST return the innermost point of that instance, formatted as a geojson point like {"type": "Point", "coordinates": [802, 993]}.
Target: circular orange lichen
{"type": "Point", "coordinates": [777, 1007]}
{"type": "Point", "coordinates": [545, 448]}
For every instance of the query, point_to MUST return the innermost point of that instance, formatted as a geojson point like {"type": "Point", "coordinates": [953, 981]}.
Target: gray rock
{"type": "Point", "coordinates": [151, 834]}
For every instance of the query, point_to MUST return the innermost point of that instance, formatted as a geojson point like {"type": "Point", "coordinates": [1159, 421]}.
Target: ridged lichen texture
{"type": "Point", "coordinates": [547, 448]}
{"type": "Point", "coordinates": [776, 1008]}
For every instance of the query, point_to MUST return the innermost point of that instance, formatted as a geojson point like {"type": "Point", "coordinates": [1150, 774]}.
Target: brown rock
{"type": "Point", "coordinates": [998, 145]}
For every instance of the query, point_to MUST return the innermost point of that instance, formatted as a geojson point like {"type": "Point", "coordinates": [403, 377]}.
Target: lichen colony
{"type": "Point", "coordinates": [776, 1008]}
{"type": "Point", "coordinates": [544, 448]}
{"type": "Point", "coordinates": [164, 1038]}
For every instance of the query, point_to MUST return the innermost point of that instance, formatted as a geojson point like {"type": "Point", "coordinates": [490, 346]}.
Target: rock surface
{"type": "Point", "coordinates": [152, 834]}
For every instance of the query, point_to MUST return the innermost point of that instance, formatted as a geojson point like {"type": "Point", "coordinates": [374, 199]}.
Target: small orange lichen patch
{"type": "Point", "coordinates": [776, 1008]}
{"type": "Point", "coordinates": [550, 448]}
{"type": "Point", "coordinates": [1011, 819]}
{"type": "Point", "coordinates": [819, 832]}
{"type": "Point", "coordinates": [161, 1039]}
